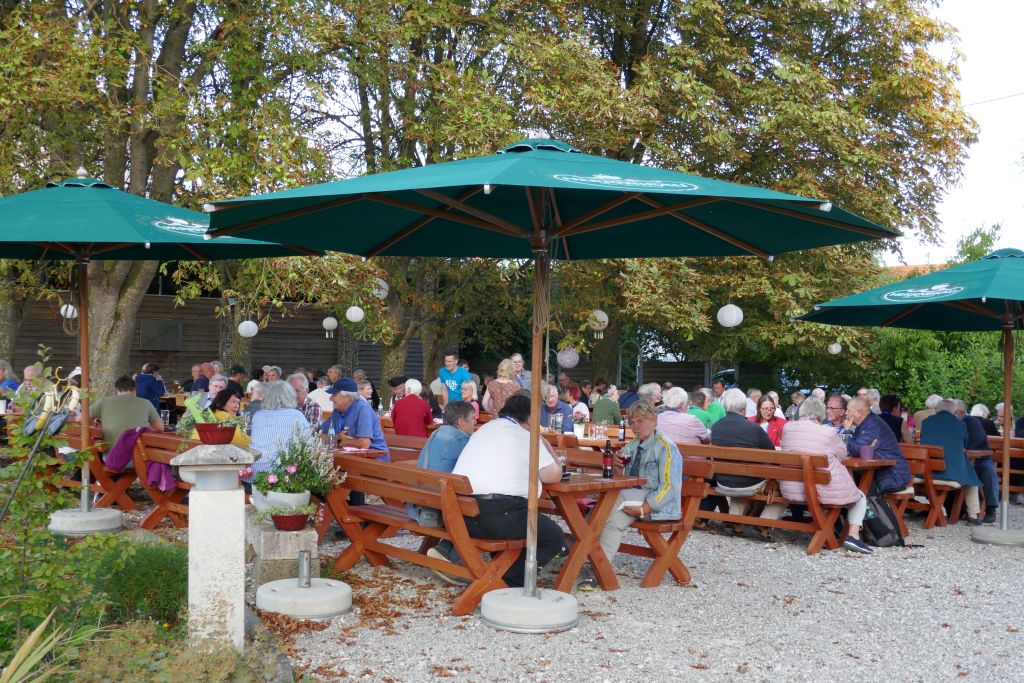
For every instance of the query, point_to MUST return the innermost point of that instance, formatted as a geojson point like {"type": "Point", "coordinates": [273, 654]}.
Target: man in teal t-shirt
{"type": "Point", "coordinates": [452, 376]}
{"type": "Point", "coordinates": [697, 400]}
{"type": "Point", "coordinates": [712, 407]}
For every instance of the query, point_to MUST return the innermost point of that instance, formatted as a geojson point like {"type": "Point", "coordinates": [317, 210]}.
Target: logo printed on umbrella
{"type": "Point", "coordinates": [940, 291]}
{"type": "Point", "coordinates": [602, 180]}
{"type": "Point", "coordinates": [180, 226]}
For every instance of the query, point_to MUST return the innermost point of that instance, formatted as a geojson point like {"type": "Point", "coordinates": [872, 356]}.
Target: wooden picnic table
{"type": "Point", "coordinates": [975, 453]}
{"type": "Point", "coordinates": [866, 470]}
{"type": "Point", "coordinates": [587, 530]}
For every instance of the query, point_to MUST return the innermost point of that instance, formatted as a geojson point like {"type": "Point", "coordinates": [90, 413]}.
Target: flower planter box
{"type": "Point", "coordinates": [290, 522]}
{"type": "Point", "coordinates": [213, 433]}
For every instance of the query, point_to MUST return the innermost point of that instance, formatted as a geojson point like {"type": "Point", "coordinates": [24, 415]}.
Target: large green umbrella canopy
{"type": "Point", "coordinates": [542, 199]}
{"type": "Point", "coordinates": [983, 295]}
{"type": "Point", "coordinates": [593, 208]}
{"type": "Point", "coordinates": [85, 219]}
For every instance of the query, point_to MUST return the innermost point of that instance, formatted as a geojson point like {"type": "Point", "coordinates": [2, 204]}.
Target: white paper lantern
{"type": "Point", "coordinates": [381, 289]}
{"type": "Point", "coordinates": [730, 315]}
{"type": "Point", "coordinates": [69, 311]}
{"type": "Point", "coordinates": [247, 329]}
{"type": "Point", "coordinates": [354, 314]}
{"type": "Point", "coordinates": [598, 321]}
{"type": "Point", "coordinates": [835, 348]}
{"type": "Point", "coordinates": [568, 358]}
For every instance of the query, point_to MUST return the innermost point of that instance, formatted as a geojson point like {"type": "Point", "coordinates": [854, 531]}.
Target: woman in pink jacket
{"type": "Point", "coordinates": [809, 435]}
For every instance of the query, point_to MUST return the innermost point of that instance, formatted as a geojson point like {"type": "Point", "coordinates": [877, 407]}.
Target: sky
{"type": "Point", "coordinates": [992, 187]}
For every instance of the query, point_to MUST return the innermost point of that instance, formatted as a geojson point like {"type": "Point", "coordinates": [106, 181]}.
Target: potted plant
{"type": "Point", "coordinates": [202, 421]}
{"type": "Point", "coordinates": [579, 423]}
{"type": "Point", "coordinates": [301, 467]}
{"type": "Point", "coordinates": [288, 519]}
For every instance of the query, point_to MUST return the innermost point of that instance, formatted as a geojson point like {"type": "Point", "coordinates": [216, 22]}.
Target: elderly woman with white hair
{"type": "Point", "coordinates": [945, 429]}
{"type": "Point", "coordinates": [809, 434]}
{"type": "Point", "coordinates": [606, 408]}
{"type": "Point", "coordinates": [275, 424]}
{"type": "Point", "coordinates": [412, 414]}
{"type": "Point", "coordinates": [980, 411]}
{"type": "Point", "coordinates": [677, 424]}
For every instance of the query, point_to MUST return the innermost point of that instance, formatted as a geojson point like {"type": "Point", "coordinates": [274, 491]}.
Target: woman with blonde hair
{"type": "Point", "coordinates": [500, 388]}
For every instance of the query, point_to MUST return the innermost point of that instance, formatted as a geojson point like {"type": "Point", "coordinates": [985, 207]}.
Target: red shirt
{"type": "Point", "coordinates": [411, 415]}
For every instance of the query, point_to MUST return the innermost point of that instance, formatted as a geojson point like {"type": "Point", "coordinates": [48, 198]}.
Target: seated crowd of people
{"type": "Point", "coordinates": [494, 455]}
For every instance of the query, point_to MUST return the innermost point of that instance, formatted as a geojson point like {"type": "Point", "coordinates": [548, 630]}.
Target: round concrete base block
{"type": "Point", "coordinates": [324, 599]}
{"type": "Point", "coordinates": [510, 609]}
{"type": "Point", "coordinates": [997, 536]}
{"type": "Point", "coordinates": [75, 522]}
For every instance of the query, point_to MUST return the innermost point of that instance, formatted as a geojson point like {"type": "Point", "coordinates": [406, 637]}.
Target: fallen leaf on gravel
{"type": "Point", "coordinates": [1012, 629]}
{"type": "Point", "coordinates": [699, 665]}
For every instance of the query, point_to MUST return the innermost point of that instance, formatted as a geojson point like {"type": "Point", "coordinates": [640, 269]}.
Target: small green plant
{"type": "Point", "coordinates": [152, 583]}
{"type": "Point", "coordinates": [307, 510]}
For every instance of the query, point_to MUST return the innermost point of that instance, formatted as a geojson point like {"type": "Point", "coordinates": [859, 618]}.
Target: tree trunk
{"type": "Point", "coordinates": [116, 289]}
{"type": "Point", "coordinates": [348, 351]}
{"type": "Point", "coordinates": [234, 348]}
{"type": "Point", "coordinates": [606, 353]}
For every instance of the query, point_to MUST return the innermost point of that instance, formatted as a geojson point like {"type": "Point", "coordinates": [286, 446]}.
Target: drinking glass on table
{"type": "Point", "coordinates": [165, 417]}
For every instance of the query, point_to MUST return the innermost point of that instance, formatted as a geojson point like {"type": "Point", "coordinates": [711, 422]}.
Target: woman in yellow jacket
{"type": "Point", "coordinates": [224, 405]}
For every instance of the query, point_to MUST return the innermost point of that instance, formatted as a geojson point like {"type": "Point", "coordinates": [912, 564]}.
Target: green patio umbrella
{"type": "Point", "coordinates": [986, 295]}
{"type": "Point", "coordinates": [84, 219]}
{"type": "Point", "coordinates": [541, 199]}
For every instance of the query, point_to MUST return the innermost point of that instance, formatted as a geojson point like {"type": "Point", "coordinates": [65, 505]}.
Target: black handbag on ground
{"type": "Point", "coordinates": [881, 527]}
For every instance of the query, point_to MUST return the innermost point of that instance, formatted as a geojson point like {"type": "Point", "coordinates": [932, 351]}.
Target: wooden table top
{"type": "Point", "coordinates": [360, 452]}
{"type": "Point", "coordinates": [590, 482]}
{"type": "Point", "coordinates": [854, 463]}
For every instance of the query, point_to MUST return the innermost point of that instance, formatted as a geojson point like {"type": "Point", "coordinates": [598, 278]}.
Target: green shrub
{"type": "Point", "coordinates": [151, 583]}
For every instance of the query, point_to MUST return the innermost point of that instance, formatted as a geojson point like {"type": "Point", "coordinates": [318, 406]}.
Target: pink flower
{"type": "Point", "coordinates": [291, 469]}
{"type": "Point", "coordinates": [272, 479]}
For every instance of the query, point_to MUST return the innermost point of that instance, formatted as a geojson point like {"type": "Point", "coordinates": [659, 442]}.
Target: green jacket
{"type": "Point", "coordinates": [606, 411]}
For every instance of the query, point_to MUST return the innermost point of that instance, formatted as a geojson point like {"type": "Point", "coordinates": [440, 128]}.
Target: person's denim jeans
{"type": "Point", "coordinates": [986, 470]}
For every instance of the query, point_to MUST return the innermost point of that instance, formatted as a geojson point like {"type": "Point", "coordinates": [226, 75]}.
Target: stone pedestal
{"type": "Point", "coordinates": [216, 542]}
{"type": "Point", "coordinates": [273, 553]}
{"type": "Point", "coordinates": [216, 566]}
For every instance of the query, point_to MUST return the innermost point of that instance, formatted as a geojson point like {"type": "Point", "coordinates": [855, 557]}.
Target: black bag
{"type": "Point", "coordinates": [881, 527]}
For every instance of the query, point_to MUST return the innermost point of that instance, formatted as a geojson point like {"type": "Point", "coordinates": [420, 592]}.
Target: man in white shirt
{"type": "Point", "coordinates": [496, 461]}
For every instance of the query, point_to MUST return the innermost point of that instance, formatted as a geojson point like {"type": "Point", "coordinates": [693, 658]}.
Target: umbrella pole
{"type": "Point", "coordinates": [541, 287]}
{"type": "Point", "coordinates": [1004, 508]}
{"type": "Point", "coordinates": [83, 350]}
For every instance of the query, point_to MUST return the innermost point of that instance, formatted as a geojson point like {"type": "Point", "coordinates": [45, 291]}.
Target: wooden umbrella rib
{"type": "Point", "coordinates": [594, 213]}
{"type": "Point", "coordinates": [439, 213]}
{"type": "Point", "coordinates": [458, 203]}
{"type": "Point", "coordinates": [972, 307]}
{"type": "Point", "coordinates": [871, 232]}
{"type": "Point", "coordinates": [658, 210]}
{"type": "Point", "coordinates": [276, 218]}
{"type": "Point", "coordinates": [714, 232]}
{"type": "Point", "coordinates": [533, 208]}
{"type": "Point", "coordinates": [899, 316]}
{"type": "Point", "coordinates": [198, 254]}
{"type": "Point", "coordinates": [414, 226]}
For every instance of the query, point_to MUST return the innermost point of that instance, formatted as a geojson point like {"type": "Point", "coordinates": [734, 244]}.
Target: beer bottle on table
{"type": "Point", "coordinates": [607, 460]}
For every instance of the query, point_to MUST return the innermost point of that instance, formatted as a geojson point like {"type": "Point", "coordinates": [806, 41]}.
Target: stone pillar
{"type": "Point", "coordinates": [216, 542]}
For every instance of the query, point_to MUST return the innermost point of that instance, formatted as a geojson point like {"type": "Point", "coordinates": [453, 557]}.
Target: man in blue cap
{"type": "Point", "coordinates": [355, 423]}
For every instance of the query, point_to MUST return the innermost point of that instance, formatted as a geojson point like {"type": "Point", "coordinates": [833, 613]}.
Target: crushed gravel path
{"type": "Point", "coordinates": [755, 611]}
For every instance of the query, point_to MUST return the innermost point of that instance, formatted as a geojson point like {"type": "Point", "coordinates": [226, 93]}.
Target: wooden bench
{"type": "Point", "coordinates": [402, 484]}
{"type": "Point", "coordinates": [404, 447]}
{"type": "Point", "coordinates": [664, 551]}
{"type": "Point", "coordinates": [162, 448]}
{"type": "Point", "coordinates": [112, 485]}
{"type": "Point", "coordinates": [900, 501]}
{"type": "Point", "coordinates": [810, 469]}
{"type": "Point", "coordinates": [936, 490]}
{"type": "Point", "coordinates": [1016, 470]}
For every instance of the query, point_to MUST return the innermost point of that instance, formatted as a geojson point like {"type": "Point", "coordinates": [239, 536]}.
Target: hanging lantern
{"type": "Point", "coordinates": [248, 329]}
{"type": "Point", "coordinates": [69, 311]}
{"type": "Point", "coordinates": [730, 315]}
{"type": "Point", "coordinates": [835, 348]}
{"type": "Point", "coordinates": [330, 324]}
{"type": "Point", "coordinates": [381, 289]}
{"type": "Point", "coordinates": [354, 314]}
{"type": "Point", "coordinates": [568, 358]}
{"type": "Point", "coordinates": [598, 321]}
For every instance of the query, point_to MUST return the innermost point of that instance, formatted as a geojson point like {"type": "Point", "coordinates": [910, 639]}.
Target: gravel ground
{"type": "Point", "coordinates": [755, 611]}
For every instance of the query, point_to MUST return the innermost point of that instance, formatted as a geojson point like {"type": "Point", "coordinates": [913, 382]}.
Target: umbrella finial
{"type": "Point", "coordinates": [81, 172]}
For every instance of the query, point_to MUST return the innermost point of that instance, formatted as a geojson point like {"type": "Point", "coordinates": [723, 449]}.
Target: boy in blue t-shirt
{"type": "Point", "coordinates": [452, 376]}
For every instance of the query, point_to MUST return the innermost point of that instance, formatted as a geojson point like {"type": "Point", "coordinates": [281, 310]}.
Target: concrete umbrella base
{"type": "Point", "coordinates": [997, 536]}
{"type": "Point", "coordinates": [322, 599]}
{"type": "Point", "coordinates": [510, 609]}
{"type": "Point", "coordinates": [76, 522]}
